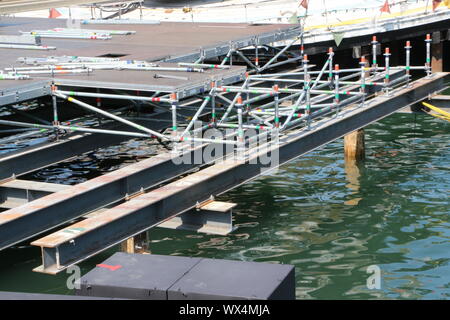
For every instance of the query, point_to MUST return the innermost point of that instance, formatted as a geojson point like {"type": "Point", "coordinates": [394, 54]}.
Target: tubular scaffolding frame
{"type": "Point", "coordinates": [267, 103]}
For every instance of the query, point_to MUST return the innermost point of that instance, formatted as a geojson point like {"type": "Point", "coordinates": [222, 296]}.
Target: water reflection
{"type": "Point", "coordinates": [352, 174]}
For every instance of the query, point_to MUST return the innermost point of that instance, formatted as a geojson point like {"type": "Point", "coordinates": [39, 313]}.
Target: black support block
{"type": "Point", "coordinates": [157, 277]}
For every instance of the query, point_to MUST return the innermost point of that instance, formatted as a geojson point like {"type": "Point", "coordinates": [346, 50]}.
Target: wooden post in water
{"type": "Point", "coordinates": [136, 244]}
{"type": "Point", "coordinates": [127, 246]}
{"type": "Point", "coordinates": [354, 147]}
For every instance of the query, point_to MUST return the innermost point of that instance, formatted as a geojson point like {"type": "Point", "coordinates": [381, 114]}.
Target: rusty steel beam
{"type": "Point", "coordinates": [24, 222]}
{"type": "Point", "coordinates": [91, 236]}
{"type": "Point", "coordinates": [211, 217]}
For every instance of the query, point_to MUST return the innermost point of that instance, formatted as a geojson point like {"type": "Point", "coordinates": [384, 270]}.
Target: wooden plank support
{"type": "Point", "coordinates": [211, 217]}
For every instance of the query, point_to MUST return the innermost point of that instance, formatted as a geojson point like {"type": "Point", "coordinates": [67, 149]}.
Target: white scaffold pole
{"type": "Point", "coordinates": [110, 115]}
{"type": "Point", "coordinates": [428, 41]}
{"type": "Point", "coordinates": [73, 128]}
{"type": "Point", "coordinates": [408, 62]}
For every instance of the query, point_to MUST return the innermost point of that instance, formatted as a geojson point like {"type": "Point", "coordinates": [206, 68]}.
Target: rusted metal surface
{"type": "Point", "coordinates": [219, 206]}
{"type": "Point", "coordinates": [204, 219]}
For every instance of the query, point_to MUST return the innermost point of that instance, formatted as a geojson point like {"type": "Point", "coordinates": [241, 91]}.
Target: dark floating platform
{"type": "Point", "coordinates": [157, 277]}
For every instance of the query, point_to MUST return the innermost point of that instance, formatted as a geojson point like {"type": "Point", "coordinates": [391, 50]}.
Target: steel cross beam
{"type": "Point", "coordinates": [91, 236]}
